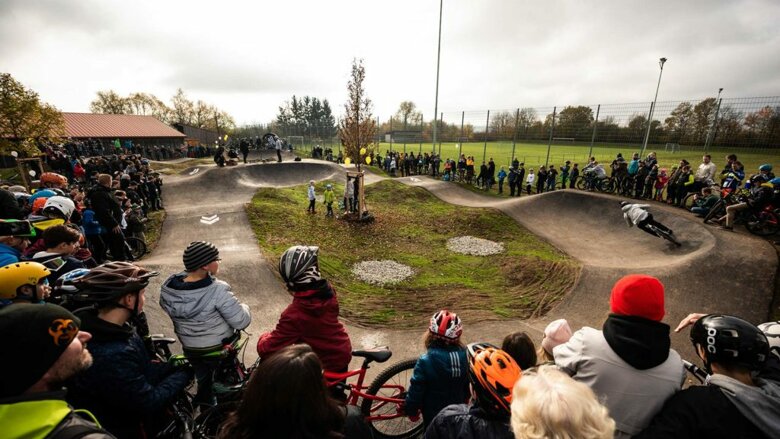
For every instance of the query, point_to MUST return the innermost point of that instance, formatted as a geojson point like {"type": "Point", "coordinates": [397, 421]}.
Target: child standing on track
{"type": "Point", "coordinates": [312, 197]}
{"type": "Point", "coordinates": [439, 377]}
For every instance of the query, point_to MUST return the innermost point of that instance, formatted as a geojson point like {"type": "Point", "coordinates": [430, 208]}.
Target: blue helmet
{"type": "Point", "coordinates": [765, 167]}
{"type": "Point", "coordinates": [775, 181]}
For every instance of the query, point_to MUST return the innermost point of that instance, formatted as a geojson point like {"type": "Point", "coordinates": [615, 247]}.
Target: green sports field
{"type": "Point", "coordinates": [534, 154]}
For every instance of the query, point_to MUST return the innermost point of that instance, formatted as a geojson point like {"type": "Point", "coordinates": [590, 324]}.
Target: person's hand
{"type": "Point", "coordinates": [116, 230]}
{"type": "Point", "coordinates": [688, 321]}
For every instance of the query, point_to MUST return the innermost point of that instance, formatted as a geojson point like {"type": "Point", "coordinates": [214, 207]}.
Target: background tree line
{"type": "Point", "coordinates": [306, 116]}
{"type": "Point", "coordinates": [181, 109]}
{"type": "Point", "coordinates": [24, 118]}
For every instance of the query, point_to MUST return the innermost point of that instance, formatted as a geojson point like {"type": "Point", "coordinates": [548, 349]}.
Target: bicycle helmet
{"type": "Point", "coordinates": [43, 193]}
{"type": "Point", "coordinates": [52, 178]}
{"type": "Point", "coordinates": [446, 325]}
{"type": "Point", "coordinates": [65, 282]}
{"type": "Point", "coordinates": [772, 332]}
{"type": "Point", "coordinates": [766, 167]}
{"type": "Point", "coordinates": [299, 265]}
{"type": "Point", "coordinates": [62, 207]}
{"type": "Point", "coordinates": [17, 275]}
{"type": "Point", "coordinates": [31, 234]}
{"type": "Point", "coordinates": [775, 181]}
{"type": "Point", "coordinates": [730, 340]}
{"type": "Point", "coordinates": [110, 281]}
{"type": "Point", "coordinates": [493, 373]}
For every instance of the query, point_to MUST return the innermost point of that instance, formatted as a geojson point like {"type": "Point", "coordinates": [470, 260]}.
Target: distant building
{"type": "Point", "coordinates": [197, 136]}
{"type": "Point", "coordinates": [141, 130]}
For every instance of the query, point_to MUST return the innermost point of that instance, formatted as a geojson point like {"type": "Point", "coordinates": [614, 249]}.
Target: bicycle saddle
{"type": "Point", "coordinates": [380, 354]}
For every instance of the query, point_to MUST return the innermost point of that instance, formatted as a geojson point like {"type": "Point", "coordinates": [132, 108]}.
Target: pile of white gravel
{"type": "Point", "coordinates": [381, 272]}
{"type": "Point", "coordinates": [469, 245]}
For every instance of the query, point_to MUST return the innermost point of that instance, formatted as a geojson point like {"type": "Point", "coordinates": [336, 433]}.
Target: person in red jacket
{"type": "Point", "coordinates": [313, 315]}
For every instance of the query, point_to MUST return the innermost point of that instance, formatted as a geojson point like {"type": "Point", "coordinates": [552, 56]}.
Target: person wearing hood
{"type": "Point", "coordinates": [204, 312]}
{"type": "Point", "coordinates": [629, 363]}
{"type": "Point", "coordinates": [313, 315]}
{"type": "Point", "coordinates": [734, 403]}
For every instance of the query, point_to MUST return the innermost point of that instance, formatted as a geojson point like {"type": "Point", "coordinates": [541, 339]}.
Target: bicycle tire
{"type": "Point", "coordinates": [580, 184]}
{"type": "Point", "coordinates": [607, 186]}
{"type": "Point", "coordinates": [765, 224]}
{"type": "Point", "coordinates": [397, 428]}
{"type": "Point", "coordinates": [667, 236]}
{"type": "Point", "coordinates": [208, 422]}
{"type": "Point", "coordinates": [717, 210]}
{"type": "Point", "coordinates": [688, 200]}
{"type": "Point", "coordinates": [137, 247]}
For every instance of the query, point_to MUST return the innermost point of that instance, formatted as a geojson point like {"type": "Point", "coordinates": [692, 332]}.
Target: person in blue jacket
{"type": "Point", "coordinates": [440, 377]}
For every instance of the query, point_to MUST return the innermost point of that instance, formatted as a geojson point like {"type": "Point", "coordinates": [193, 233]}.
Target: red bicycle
{"type": "Point", "coordinates": [381, 403]}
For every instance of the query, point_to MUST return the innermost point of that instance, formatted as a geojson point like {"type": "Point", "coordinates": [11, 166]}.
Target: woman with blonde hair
{"type": "Point", "coordinates": [547, 403]}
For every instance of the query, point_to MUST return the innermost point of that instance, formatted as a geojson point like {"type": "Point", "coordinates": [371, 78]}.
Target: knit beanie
{"type": "Point", "coordinates": [34, 335]}
{"type": "Point", "coordinates": [199, 254]}
{"type": "Point", "coordinates": [638, 295]}
{"type": "Point", "coordinates": [556, 333]}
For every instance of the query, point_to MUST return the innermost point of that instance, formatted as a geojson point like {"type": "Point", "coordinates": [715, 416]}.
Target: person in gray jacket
{"type": "Point", "coordinates": [204, 312]}
{"type": "Point", "coordinates": [629, 363]}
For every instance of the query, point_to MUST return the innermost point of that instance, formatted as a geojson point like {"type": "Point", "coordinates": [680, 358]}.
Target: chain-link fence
{"type": "Point", "coordinates": [748, 127]}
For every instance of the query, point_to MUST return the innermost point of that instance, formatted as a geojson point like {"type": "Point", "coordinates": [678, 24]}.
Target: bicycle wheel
{"type": "Point", "coordinates": [391, 383]}
{"type": "Point", "coordinates": [763, 224]}
{"type": "Point", "coordinates": [137, 247]}
{"type": "Point", "coordinates": [717, 211]}
{"type": "Point", "coordinates": [607, 186]}
{"type": "Point", "coordinates": [688, 201]}
{"type": "Point", "coordinates": [580, 184]}
{"type": "Point", "coordinates": [667, 236]}
{"type": "Point", "coordinates": [208, 422]}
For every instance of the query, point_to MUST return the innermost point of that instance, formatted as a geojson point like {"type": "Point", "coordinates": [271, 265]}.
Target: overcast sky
{"type": "Point", "coordinates": [249, 57]}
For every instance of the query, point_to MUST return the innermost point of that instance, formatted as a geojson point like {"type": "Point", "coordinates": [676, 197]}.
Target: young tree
{"type": "Point", "coordinates": [23, 116]}
{"type": "Point", "coordinates": [407, 112]}
{"type": "Point", "coordinates": [678, 122]}
{"type": "Point", "coordinates": [358, 127]}
{"type": "Point", "coordinates": [182, 108]}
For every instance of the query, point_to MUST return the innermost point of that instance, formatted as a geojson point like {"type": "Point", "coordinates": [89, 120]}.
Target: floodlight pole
{"type": "Point", "coordinates": [652, 108]}
{"type": "Point", "coordinates": [438, 60]}
{"type": "Point", "coordinates": [711, 133]}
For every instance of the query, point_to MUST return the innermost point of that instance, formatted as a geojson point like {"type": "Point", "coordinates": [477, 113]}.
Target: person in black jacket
{"type": "Point", "coordinates": [9, 207]}
{"type": "Point", "coordinates": [735, 403]}
{"type": "Point", "coordinates": [109, 215]}
{"type": "Point", "coordinates": [123, 388]}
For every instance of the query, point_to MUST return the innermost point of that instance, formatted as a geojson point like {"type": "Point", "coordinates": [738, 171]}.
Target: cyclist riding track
{"type": "Point", "coordinates": [713, 270]}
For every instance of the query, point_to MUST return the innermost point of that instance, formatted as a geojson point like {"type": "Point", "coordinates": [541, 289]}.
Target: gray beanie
{"type": "Point", "coordinates": [199, 254]}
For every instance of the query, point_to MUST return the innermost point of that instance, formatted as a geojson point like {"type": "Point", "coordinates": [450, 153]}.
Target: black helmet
{"type": "Point", "coordinates": [730, 340]}
{"type": "Point", "coordinates": [110, 281]}
{"type": "Point", "coordinates": [299, 265]}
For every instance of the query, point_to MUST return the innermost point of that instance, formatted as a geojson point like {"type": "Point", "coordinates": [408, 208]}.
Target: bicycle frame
{"type": "Point", "coordinates": [357, 391]}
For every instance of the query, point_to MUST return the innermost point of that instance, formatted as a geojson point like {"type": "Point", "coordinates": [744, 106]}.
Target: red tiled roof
{"type": "Point", "coordinates": [116, 126]}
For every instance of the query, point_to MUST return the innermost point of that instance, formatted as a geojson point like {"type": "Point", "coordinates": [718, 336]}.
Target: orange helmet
{"type": "Point", "coordinates": [49, 179]}
{"type": "Point", "coordinates": [38, 204]}
{"type": "Point", "coordinates": [493, 373]}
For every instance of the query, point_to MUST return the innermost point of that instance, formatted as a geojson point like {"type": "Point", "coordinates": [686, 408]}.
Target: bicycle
{"type": "Point", "coordinates": [381, 403]}
{"type": "Point", "coordinates": [663, 234]}
{"type": "Point", "coordinates": [135, 247]}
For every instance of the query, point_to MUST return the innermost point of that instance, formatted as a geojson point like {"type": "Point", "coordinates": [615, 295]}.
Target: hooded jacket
{"type": "Point", "coordinates": [312, 318]}
{"type": "Point", "coordinates": [635, 213]}
{"type": "Point", "coordinates": [107, 211]}
{"type": "Point", "coordinates": [726, 408]}
{"type": "Point", "coordinates": [8, 255]}
{"type": "Point", "coordinates": [439, 379]}
{"type": "Point", "coordinates": [464, 422]}
{"type": "Point", "coordinates": [204, 313]}
{"type": "Point", "coordinates": [628, 365]}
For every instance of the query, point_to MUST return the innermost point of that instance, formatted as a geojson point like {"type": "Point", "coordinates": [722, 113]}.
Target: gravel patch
{"type": "Point", "coordinates": [381, 272]}
{"type": "Point", "coordinates": [469, 245]}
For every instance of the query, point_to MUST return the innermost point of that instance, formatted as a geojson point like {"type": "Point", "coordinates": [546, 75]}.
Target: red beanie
{"type": "Point", "coordinates": [638, 295]}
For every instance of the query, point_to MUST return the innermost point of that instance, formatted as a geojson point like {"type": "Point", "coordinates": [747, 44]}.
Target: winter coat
{"type": "Point", "coordinates": [502, 175]}
{"type": "Point", "coordinates": [439, 379]}
{"type": "Point", "coordinates": [204, 313]}
{"type": "Point", "coordinates": [107, 211]}
{"type": "Point", "coordinates": [463, 422]}
{"type": "Point", "coordinates": [633, 167]}
{"type": "Point", "coordinates": [635, 213]}
{"type": "Point", "coordinates": [530, 179]}
{"type": "Point", "coordinates": [310, 193]}
{"type": "Point", "coordinates": [90, 224]}
{"type": "Point", "coordinates": [726, 408]}
{"type": "Point", "coordinates": [329, 196]}
{"type": "Point", "coordinates": [707, 202]}
{"type": "Point", "coordinates": [312, 318]}
{"type": "Point", "coordinates": [123, 386]}
{"type": "Point", "coordinates": [46, 415]}
{"type": "Point", "coordinates": [8, 255]}
{"type": "Point", "coordinates": [628, 365]}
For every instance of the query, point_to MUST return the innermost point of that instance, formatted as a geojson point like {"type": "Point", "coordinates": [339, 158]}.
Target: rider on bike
{"type": "Point", "coordinates": [123, 388]}
{"type": "Point", "coordinates": [734, 403]}
{"type": "Point", "coordinates": [761, 194]}
{"type": "Point", "coordinates": [637, 215]}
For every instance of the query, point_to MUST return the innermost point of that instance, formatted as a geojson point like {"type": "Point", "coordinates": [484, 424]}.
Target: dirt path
{"type": "Point", "coordinates": [713, 271]}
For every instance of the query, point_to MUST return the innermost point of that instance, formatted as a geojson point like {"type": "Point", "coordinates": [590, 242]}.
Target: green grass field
{"type": "Point", "coordinates": [412, 227]}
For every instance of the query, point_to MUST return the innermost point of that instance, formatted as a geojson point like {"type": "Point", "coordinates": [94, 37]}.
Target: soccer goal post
{"type": "Point", "coordinates": [296, 142]}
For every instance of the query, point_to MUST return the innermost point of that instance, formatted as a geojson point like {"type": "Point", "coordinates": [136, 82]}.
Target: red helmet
{"type": "Point", "coordinates": [446, 325]}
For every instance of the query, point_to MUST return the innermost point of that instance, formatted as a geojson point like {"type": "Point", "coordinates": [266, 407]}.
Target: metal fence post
{"type": "Point", "coordinates": [441, 125]}
{"type": "Point", "coordinates": [593, 137]}
{"type": "Point", "coordinates": [487, 126]}
{"type": "Point", "coordinates": [422, 127]}
{"type": "Point", "coordinates": [405, 116]}
{"type": "Point", "coordinates": [391, 133]}
{"type": "Point", "coordinates": [514, 136]}
{"type": "Point", "coordinates": [649, 125]}
{"type": "Point", "coordinates": [549, 142]}
{"type": "Point", "coordinates": [711, 134]}
{"type": "Point", "coordinates": [460, 138]}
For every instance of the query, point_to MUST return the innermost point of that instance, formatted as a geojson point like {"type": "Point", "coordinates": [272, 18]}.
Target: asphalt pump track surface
{"type": "Point", "coordinates": [713, 270]}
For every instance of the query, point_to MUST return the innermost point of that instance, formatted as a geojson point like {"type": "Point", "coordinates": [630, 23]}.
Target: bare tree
{"type": "Point", "coordinates": [109, 102]}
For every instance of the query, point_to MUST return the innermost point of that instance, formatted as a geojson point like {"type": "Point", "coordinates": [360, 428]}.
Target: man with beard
{"type": "Point", "coordinates": [48, 349]}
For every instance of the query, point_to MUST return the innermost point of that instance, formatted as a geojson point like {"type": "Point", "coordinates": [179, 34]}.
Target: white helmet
{"type": "Point", "coordinates": [64, 205]}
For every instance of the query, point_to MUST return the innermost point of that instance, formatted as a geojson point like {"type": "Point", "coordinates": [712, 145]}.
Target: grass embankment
{"type": "Point", "coordinates": [153, 229]}
{"type": "Point", "coordinates": [412, 227]}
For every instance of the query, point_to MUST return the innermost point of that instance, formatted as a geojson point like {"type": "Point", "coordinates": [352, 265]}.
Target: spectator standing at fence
{"type": "Point", "coordinates": [278, 147]}
{"type": "Point", "coordinates": [529, 181]}
{"type": "Point", "coordinates": [552, 178]}
{"type": "Point", "coordinates": [520, 177]}
{"type": "Point", "coordinates": [109, 215]}
{"type": "Point", "coordinates": [575, 174]}
{"type": "Point", "coordinates": [541, 179]}
{"type": "Point", "coordinates": [514, 182]}
{"type": "Point", "coordinates": [660, 183]}
{"type": "Point", "coordinates": [650, 180]}
{"type": "Point", "coordinates": [705, 173]}
{"type": "Point", "coordinates": [565, 173]}
{"type": "Point", "coordinates": [491, 172]}
{"type": "Point", "coordinates": [501, 177]}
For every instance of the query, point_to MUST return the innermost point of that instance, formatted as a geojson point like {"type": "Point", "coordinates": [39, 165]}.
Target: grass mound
{"type": "Point", "coordinates": [412, 227]}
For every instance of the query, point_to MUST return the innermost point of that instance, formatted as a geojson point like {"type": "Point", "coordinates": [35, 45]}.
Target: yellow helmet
{"type": "Point", "coordinates": [19, 274]}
